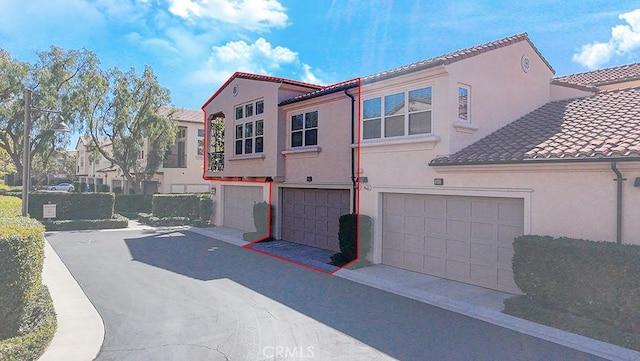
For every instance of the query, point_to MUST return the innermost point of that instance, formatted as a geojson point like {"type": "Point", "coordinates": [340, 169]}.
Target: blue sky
{"type": "Point", "coordinates": [195, 45]}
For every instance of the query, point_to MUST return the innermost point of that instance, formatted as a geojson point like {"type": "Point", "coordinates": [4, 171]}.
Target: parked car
{"type": "Point", "coordinates": [62, 187]}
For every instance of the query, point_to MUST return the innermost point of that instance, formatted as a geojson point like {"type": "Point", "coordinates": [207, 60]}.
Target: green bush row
{"type": "Point", "coordinates": [21, 258]}
{"type": "Point", "coordinates": [192, 206]}
{"type": "Point", "coordinates": [117, 221]}
{"type": "Point", "coordinates": [10, 207]}
{"type": "Point", "coordinates": [73, 205]}
{"type": "Point", "coordinates": [595, 279]}
{"type": "Point", "coordinates": [154, 221]}
{"type": "Point", "coordinates": [133, 203]}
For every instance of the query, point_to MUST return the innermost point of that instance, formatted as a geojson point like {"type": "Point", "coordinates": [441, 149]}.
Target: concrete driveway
{"type": "Point", "coordinates": [177, 295]}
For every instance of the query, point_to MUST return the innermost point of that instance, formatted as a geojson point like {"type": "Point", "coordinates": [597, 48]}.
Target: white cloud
{"type": "Point", "coordinates": [624, 41]}
{"type": "Point", "coordinates": [257, 15]}
{"type": "Point", "coordinates": [259, 57]}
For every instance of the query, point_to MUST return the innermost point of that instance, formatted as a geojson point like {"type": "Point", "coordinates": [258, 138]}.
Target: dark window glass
{"type": "Point", "coordinates": [260, 107]}
{"type": "Point", "coordinates": [311, 137]}
{"type": "Point", "coordinates": [296, 139]}
{"type": "Point", "coordinates": [238, 146]}
{"type": "Point", "coordinates": [259, 145]}
{"type": "Point", "coordinates": [248, 146]}
{"type": "Point", "coordinates": [238, 112]}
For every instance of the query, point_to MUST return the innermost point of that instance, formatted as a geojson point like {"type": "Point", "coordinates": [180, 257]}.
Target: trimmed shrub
{"type": "Point", "coordinates": [348, 238]}
{"type": "Point", "coordinates": [594, 279]}
{"type": "Point", "coordinates": [178, 205]}
{"type": "Point", "coordinates": [73, 205]}
{"type": "Point", "coordinates": [133, 203]}
{"type": "Point", "coordinates": [21, 257]}
{"type": "Point", "coordinates": [10, 207]}
{"type": "Point", "coordinates": [261, 220]}
{"type": "Point", "coordinates": [206, 209]}
{"type": "Point", "coordinates": [154, 221]}
{"type": "Point", "coordinates": [117, 221]}
{"type": "Point", "coordinates": [36, 331]}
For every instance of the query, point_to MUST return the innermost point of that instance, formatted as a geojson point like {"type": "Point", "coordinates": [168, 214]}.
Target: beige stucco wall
{"type": "Point", "coordinates": [268, 163]}
{"type": "Point", "coordinates": [187, 179]}
{"type": "Point", "coordinates": [328, 163]}
{"type": "Point", "coordinates": [575, 200]}
{"type": "Point", "coordinates": [501, 91]}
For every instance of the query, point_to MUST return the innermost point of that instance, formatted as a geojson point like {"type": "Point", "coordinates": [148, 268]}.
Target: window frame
{"type": "Point", "coordinates": [305, 130]}
{"type": "Point", "coordinates": [377, 116]}
{"type": "Point", "coordinates": [249, 138]}
{"type": "Point", "coordinates": [467, 89]}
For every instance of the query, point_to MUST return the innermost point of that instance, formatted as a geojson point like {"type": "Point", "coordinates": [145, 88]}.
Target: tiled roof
{"type": "Point", "coordinates": [602, 76]}
{"type": "Point", "coordinates": [189, 115]}
{"type": "Point", "coordinates": [258, 77]}
{"type": "Point", "coordinates": [454, 57]}
{"type": "Point", "coordinates": [600, 127]}
{"type": "Point", "coordinates": [324, 91]}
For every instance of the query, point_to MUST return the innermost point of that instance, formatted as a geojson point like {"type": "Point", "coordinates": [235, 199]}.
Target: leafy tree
{"type": "Point", "coordinates": [57, 80]}
{"type": "Point", "coordinates": [122, 110]}
{"type": "Point", "coordinates": [6, 165]}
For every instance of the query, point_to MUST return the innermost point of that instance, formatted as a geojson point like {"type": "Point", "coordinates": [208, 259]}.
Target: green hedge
{"type": "Point", "coordinates": [133, 203]}
{"type": "Point", "coordinates": [36, 331]}
{"type": "Point", "coordinates": [10, 207]}
{"type": "Point", "coordinates": [595, 279]}
{"type": "Point", "coordinates": [154, 221]}
{"type": "Point", "coordinates": [21, 258]}
{"type": "Point", "coordinates": [71, 205]}
{"type": "Point", "coordinates": [117, 221]}
{"type": "Point", "coordinates": [179, 205]}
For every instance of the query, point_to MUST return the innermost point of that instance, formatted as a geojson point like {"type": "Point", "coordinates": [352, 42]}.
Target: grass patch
{"type": "Point", "coordinates": [36, 330]}
{"type": "Point", "coordinates": [522, 307]}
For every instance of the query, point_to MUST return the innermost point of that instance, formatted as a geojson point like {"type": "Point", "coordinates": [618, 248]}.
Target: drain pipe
{"type": "Point", "coordinates": [353, 156]}
{"type": "Point", "coordinates": [618, 180]}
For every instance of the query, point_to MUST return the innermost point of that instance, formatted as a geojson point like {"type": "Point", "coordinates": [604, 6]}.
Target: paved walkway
{"type": "Point", "coordinates": [472, 301]}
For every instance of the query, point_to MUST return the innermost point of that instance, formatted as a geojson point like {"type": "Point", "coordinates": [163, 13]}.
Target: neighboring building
{"type": "Point", "coordinates": [180, 172]}
{"type": "Point", "coordinates": [454, 156]}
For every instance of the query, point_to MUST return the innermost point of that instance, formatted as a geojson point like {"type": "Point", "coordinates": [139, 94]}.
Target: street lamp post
{"type": "Point", "coordinates": [58, 126]}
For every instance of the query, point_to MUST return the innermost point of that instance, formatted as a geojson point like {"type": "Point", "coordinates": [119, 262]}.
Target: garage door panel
{"type": "Point", "coordinates": [434, 245]}
{"type": "Point", "coordinates": [463, 238]}
{"type": "Point", "coordinates": [458, 228]}
{"type": "Point", "coordinates": [484, 210]}
{"type": "Point", "coordinates": [238, 206]}
{"type": "Point", "coordinates": [485, 253]}
{"type": "Point", "coordinates": [413, 241]}
{"type": "Point", "coordinates": [435, 225]}
{"type": "Point", "coordinates": [317, 213]}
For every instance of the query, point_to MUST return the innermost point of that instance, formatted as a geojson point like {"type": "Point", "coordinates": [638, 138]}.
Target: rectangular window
{"type": "Point", "coordinates": [249, 137]}
{"type": "Point", "coordinates": [200, 142]}
{"type": "Point", "coordinates": [407, 113]}
{"type": "Point", "coordinates": [239, 112]}
{"type": "Point", "coordinates": [248, 110]}
{"type": "Point", "coordinates": [259, 107]}
{"type": "Point", "coordinates": [463, 103]}
{"type": "Point", "coordinates": [304, 129]}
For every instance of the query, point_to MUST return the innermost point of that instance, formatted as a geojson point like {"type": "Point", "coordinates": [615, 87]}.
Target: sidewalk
{"type": "Point", "coordinates": [81, 331]}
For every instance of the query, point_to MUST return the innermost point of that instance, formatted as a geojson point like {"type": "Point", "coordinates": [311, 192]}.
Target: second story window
{"type": "Point", "coordinates": [396, 115]}
{"type": "Point", "coordinates": [304, 129]}
{"type": "Point", "coordinates": [249, 137]}
{"type": "Point", "coordinates": [463, 104]}
{"type": "Point", "coordinates": [200, 141]}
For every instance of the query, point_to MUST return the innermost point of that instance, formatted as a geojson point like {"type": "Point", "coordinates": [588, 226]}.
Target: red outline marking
{"type": "Point", "coordinates": [270, 198]}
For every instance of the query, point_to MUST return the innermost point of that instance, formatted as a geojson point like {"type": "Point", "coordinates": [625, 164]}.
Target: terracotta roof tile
{"type": "Point", "coordinates": [454, 57]}
{"type": "Point", "coordinates": [600, 77]}
{"type": "Point", "coordinates": [601, 126]}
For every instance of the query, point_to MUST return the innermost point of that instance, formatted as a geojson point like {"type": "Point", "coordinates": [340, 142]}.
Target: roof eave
{"type": "Point", "coordinates": [540, 161]}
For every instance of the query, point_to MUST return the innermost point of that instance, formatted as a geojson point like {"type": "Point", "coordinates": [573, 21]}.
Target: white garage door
{"type": "Point", "coordinates": [467, 239]}
{"type": "Point", "coordinates": [311, 216]}
{"type": "Point", "coordinates": [238, 206]}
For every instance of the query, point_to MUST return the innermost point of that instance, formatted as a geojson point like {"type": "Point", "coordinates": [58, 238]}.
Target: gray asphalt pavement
{"type": "Point", "coordinates": [177, 295]}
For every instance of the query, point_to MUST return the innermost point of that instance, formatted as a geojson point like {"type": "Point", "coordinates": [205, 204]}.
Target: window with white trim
{"type": "Point", "coordinates": [304, 129]}
{"type": "Point", "coordinates": [249, 137]}
{"type": "Point", "coordinates": [407, 113]}
{"type": "Point", "coordinates": [463, 103]}
{"type": "Point", "coordinates": [200, 142]}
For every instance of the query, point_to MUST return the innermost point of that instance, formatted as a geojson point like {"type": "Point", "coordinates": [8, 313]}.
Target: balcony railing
{"type": "Point", "coordinates": [175, 161]}
{"type": "Point", "coordinates": [216, 161]}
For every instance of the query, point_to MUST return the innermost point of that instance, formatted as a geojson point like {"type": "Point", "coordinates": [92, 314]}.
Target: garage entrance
{"type": "Point", "coordinates": [467, 239]}
{"type": "Point", "coordinates": [311, 216]}
{"type": "Point", "coordinates": [238, 206]}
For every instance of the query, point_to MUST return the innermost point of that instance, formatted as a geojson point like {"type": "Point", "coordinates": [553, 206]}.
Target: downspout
{"type": "Point", "coordinates": [618, 180]}
{"type": "Point", "coordinates": [353, 150]}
